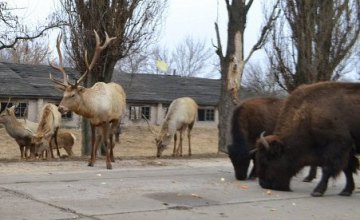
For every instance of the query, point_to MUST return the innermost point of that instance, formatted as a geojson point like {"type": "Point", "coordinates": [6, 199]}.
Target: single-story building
{"type": "Point", "coordinates": [147, 94]}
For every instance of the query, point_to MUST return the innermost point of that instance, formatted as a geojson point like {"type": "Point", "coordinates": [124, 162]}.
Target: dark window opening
{"type": "Point", "coordinates": [206, 115]}
{"type": "Point", "coordinates": [20, 109]}
{"type": "Point", "coordinates": [139, 112]}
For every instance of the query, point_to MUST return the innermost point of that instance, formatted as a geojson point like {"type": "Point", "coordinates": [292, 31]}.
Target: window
{"type": "Point", "coordinates": [20, 109]}
{"type": "Point", "coordinates": [207, 114]}
{"type": "Point", "coordinates": [139, 112]}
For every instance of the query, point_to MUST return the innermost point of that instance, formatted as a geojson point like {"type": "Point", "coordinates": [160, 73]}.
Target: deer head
{"type": "Point", "coordinates": [72, 92]}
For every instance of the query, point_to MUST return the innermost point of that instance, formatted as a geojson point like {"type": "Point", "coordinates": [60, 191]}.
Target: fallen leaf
{"type": "Point", "coordinates": [268, 192]}
{"type": "Point", "coordinates": [99, 174]}
{"type": "Point", "coordinates": [195, 195]}
{"type": "Point", "coordinates": [244, 187]}
{"type": "Point", "coordinates": [222, 179]}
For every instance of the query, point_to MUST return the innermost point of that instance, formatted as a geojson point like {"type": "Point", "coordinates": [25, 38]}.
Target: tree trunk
{"type": "Point", "coordinates": [226, 107]}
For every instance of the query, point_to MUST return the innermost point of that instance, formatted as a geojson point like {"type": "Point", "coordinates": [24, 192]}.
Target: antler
{"type": "Point", "coordinates": [148, 123]}
{"type": "Point", "coordinates": [98, 49]}
{"type": "Point", "coordinates": [61, 67]}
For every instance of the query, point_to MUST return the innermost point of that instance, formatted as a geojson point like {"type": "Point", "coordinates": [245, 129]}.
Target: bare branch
{"type": "Point", "coordinates": [265, 30]}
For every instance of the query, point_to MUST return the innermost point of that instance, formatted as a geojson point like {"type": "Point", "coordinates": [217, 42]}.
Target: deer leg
{"type": "Point", "coordinates": [189, 137]}
{"type": "Point", "coordinates": [174, 150]}
{"type": "Point", "coordinates": [179, 150]}
{"type": "Point", "coordinates": [114, 125]}
{"type": "Point", "coordinates": [21, 147]}
{"type": "Point", "coordinates": [105, 135]}
{"type": "Point", "coordinates": [50, 146]}
{"type": "Point", "coordinates": [93, 152]}
{"type": "Point", "coordinates": [56, 143]}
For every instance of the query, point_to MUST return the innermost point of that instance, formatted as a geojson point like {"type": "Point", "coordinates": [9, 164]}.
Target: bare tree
{"type": "Point", "coordinates": [26, 52]}
{"type": "Point", "coordinates": [133, 23]}
{"type": "Point", "coordinates": [259, 80]}
{"type": "Point", "coordinates": [189, 58]}
{"type": "Point", "coordinates": [312, 40]}
{"type": "Point", "coordinates": [233, 62]}
{"type": "Point", "coordinates": [14, 31]}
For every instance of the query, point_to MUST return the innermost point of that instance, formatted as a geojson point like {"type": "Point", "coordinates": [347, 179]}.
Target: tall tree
{"type": "Point", "coordinates": [312, 39]}
{"type": "Point", "coordinates": [132, 22]}
{"type": "Point", "coordinates": [233, 62]}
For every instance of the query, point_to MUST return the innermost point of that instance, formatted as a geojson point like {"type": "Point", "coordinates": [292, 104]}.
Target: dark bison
{"type": "Point", "coordinates": [249, 119]}
{"type": "Point", "coordinates": [319, 125]}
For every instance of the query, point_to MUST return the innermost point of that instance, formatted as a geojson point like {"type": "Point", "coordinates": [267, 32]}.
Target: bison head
{"type": "Point", "coordinates": [274, 168]}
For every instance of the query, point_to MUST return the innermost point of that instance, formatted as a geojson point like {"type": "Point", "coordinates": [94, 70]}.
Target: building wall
{"type": "Point", "coordinates": [157, 114]}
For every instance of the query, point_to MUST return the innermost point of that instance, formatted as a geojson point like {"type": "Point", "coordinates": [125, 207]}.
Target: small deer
{"type": "Point", "coordinates": [102, 104]}
{"type": "Point", "coordinates": [22, 135]}
{"type": "Point", "coordinates": [47, 129]}
{"type": "Point", "coordinates": [181, 115]}
{"type": "Point", "coordinates": [64, 139]}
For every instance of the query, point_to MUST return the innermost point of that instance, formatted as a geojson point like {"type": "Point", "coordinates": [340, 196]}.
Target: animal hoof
{"type": "Point", "coordinates": [344, 193]}
{"type": "Point", "coordinates": [90, 164]}
{"type": "Point", "coordinates": [108, 166]}
{"type": "Point", "coordinates": [317, 194]}
{"type": "Point", "coordinates": [308, 179]}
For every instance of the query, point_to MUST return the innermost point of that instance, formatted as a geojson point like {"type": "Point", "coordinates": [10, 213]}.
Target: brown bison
{"type": "Point", "coordinates": [249, 119]}
{"type": "Point", "coordinates": [319, 125]}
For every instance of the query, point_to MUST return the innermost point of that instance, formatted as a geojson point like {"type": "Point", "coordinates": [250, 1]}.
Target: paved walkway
{"type": "Point", "coordinates": [158, 189]}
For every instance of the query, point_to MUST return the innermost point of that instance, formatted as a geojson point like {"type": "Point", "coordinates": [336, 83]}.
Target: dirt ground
{"type": "Point", "coordinates": [135, 142]}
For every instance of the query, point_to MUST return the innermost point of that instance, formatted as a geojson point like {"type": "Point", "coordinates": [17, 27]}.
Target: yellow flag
{"type": "Point", "coordinates": [162, 66]}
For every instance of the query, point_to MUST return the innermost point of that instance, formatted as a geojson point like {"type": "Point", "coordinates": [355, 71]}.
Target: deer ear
{"type": "Point", "coordinates": [80, 89]}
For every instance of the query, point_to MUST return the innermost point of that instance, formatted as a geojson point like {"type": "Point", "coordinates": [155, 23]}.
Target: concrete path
{"type": "Point", "coordinates": [158, 189]}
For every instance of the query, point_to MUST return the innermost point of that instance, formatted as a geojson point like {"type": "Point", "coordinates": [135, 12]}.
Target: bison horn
{"type": "Point", "coordinates": [252, 151]}
{"type": "Point", "coordinates": [263, 141]}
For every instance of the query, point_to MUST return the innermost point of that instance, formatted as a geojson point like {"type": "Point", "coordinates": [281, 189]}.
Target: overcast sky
{"type": "Point", "coordinates": [193, 18]}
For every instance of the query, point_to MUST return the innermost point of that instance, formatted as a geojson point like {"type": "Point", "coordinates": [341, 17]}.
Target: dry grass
{"type": "Point", "coordinates": [135, 142]}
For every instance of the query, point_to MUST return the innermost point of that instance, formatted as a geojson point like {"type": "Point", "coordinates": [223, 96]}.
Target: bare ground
{"type": "Point", "coordinates": [136, 142]}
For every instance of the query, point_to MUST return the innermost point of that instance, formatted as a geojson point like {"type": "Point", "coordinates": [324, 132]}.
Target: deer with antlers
{"type": "Point", "coordinates": [102, 104]}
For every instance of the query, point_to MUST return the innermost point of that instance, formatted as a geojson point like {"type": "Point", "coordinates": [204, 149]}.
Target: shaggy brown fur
{"type": "Point", "coordinates": [319, 125]}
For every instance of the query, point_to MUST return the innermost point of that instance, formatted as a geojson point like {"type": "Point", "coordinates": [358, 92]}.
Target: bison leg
{"type": "Point", "coordinates": [322, 186]}
{"type": "Point", "coordinates": [351, 168]}
{"type": "Point", "coordinates": [311, 175]}
{"type": "Point", "coordinates": [253, 174]}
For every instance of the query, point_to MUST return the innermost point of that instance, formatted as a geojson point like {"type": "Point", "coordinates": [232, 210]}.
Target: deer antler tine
{"type": "Point", "coordinates": [8, 102]}
{"type": "Point", "coordinates": [61, 66]}
{"type": "Point", "coordinates": [56, 81]}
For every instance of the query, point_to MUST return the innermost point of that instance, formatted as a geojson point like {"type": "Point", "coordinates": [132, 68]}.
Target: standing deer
{"type": "Point", "coordinates": [181, 115]}
{"type": "Point", "coordinates": [102, 104]}
{"type": "Point", "coordinates": [64, 140]}
{"type": "Point", "coordinates": [47, 129]}
{"type": "Point", "coordinates": [22, 135]}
